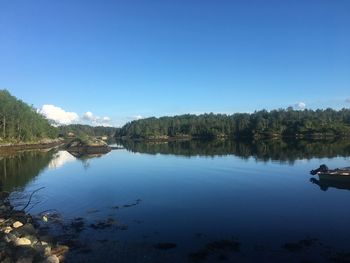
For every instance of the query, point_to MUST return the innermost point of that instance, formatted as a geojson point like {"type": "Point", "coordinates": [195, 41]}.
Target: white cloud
{"type": "Point", "coordinates": [96, 120]}
{"type": "Point", "coordinates": [58, 115]}
{"type": "Point", "coordinates": [61, 158]}
{"type": "Point", "coordinates": [347, 100]}
{"type": "Point", "coordinates": [300, 105]}
{"type": "Point", "coordinates": [88, 116]}
{"type": "Point", "coordinates": [137, 117]}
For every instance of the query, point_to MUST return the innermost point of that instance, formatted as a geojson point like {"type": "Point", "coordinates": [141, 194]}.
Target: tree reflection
{"type": "Point", "coordinates": [262, 150]}
{"type": "Point", "coordinates": [21, 167]}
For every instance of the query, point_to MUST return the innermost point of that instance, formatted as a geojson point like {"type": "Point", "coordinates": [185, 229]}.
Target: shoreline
{"type": "Point", "coordinates": [240, 138]}
{"type": "Point", "coordinates": [44, 144]}
{"type": "Point", "coordinates": [51, 143]}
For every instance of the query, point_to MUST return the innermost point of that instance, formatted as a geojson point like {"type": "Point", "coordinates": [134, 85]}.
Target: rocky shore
{"type": "Point", "coordinates": [89, 146]}
{"type": "Point", "coordinates": [22, 240]}
{"type": "Point", "coordinates": [43, 144]}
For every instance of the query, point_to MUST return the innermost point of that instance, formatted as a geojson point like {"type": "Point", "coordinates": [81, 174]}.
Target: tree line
{"type": "Point", "coordinates": [20, 122]}
{"type": "Point", "coordinates": [260, 124]}
{"type": "Point", "coordinates": [81, 130]}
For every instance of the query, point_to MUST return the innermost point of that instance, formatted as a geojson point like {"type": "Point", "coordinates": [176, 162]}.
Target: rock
{"type": "Point", "coordinates": [2, 220]}
{"type": "Point", "coordinates": [32, 239]}
{"type": "Point", "coordinates": [24, 230]}
{"type": "Point", "coordinates": [7, 229]}
{"type": "Point", "coordinates": [59, 251]}
{"type": "Point", "coordinates": [23, 242]}
{"type": "Point", "coordinates": [19, 216]}
{"type": "Point", "coordinates": [80, 147]}
{"type": "Point", "coordinates": [47, 251]}
{"type": "Point", "coordinates": [52, 259]}
{"type": "Point", "coordinates": [17, 224]}
{"type": "Point", "coordinates": [10, 238]}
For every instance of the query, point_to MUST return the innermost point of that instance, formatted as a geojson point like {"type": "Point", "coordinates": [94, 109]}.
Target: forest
{"type": "Point", "coordinates": [81, 130]}
{"type": "Point", "coordinates": [20, 122]}
{"type": "Point", "coordinates": [260, 124]}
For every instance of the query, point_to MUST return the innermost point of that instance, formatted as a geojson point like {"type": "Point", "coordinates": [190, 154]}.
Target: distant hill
{"type": "Point", "coordinates": [261, 124]}
{"type": "Point", "coordinates": [83, 130]}
{"type": "Point", "coordinates": [20, 122]}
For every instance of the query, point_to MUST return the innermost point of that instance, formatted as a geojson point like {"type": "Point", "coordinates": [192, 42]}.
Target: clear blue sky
{"type": "Point", "coordinates": [127, 58]}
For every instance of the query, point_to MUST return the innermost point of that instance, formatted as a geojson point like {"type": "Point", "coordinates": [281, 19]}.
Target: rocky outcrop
{"type": "Point", "coordinates": [90, 146]}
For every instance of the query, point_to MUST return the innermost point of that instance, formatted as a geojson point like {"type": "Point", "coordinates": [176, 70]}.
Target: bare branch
{"type": "Point", "coordinates": [30, 197]}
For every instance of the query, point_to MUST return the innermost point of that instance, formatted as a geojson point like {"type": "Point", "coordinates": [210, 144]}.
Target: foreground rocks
{"type": "Point", "coordinates": [20, 239]}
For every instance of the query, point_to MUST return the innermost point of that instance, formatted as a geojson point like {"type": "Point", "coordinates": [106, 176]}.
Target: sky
{"type": "Point", "coordinates": [110, 62]}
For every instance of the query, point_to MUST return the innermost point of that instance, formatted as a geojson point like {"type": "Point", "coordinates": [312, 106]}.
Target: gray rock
{"type": "Point", "coordinates": [10, 238]}
{"type": "Point", "coordinates": [24, 230]}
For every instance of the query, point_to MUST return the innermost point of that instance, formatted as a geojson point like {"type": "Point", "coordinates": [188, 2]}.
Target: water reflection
{"type": "Point", "coordinates": [17, 169]}
{"type": "Point", "coordinates": [192, 208]}
{"type": "Point", "coordinates": [60, 158]}
{"type": "Point", "coordinates": [276, 150]}
{"type": "Point", "coordinates": [329, 181]}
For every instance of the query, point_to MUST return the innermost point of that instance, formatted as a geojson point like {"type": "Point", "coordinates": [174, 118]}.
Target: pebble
{"type": "Point", "coordinates": [23, 241]}
{"type": "Point", "coordinates": [17, 224]}
{"type": "Point", "coordinates": [7, 229]}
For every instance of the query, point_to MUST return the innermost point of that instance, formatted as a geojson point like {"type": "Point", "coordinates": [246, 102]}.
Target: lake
{"type": "Point", "coordinates": [190, 201]}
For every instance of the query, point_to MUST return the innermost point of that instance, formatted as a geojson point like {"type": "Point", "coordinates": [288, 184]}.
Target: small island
{"type": "Point", "coordinates": [89, 145]}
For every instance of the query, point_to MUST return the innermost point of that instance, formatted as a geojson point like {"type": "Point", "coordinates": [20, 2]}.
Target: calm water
{"type": "Point", "coordinates": [191, 194]}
